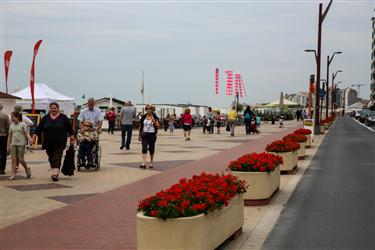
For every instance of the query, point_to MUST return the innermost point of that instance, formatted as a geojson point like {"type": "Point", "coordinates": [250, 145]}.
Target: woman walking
{"type": "Point", "coordinates": [187, 123]}
{"type": "Point", "coordinates": [17, 141]}
{"type": "Point", "coordinates": [149, 125]}
{"type": "Point", "coordinates": [247, 114]}
{"type": "Point", "coordinates": [55, 128]}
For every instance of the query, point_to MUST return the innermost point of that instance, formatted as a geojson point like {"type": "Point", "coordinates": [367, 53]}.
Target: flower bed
{"type": "Point", "coordinates": [199, 195]}
{"type": "Point", "coordinates": [262, 174]}
{"type": "Point", "coordinates": [307, 133]}
{"type": "Point", "coordinates": [301, 139]}
{"type": "Point", "coordinates": [282, 146]}
{"type": "Point", "coordinates": [288, 150]}
{"type": "Point", "coordinates": [185, 215]}
{"type": "Point", "coordinates": [263, 162]}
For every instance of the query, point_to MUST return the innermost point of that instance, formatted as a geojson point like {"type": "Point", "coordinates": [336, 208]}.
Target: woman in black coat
{"type": "Point", "coordinates": [149, 125]}
{"type": "Point", "coordinates": [54, 129]}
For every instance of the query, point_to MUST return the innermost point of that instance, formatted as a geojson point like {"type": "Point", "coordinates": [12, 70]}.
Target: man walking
{"type": "Point", "coordinates": [4, 129]}
{"type": "Point", "coordinates": [127, 116]}
{"type": "Point", "coordinates": [93, 114]}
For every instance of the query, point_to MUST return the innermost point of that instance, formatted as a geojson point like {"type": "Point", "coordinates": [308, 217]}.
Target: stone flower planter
{"type": "Point", "coordinates": [308, 142]}
{"type": "Point", "coordinates": [321, 129]}
{"type": "Point", "coordinates": [196, 232]}
{"type": "Point", "coordinates": [302, 151]}
{"type": "Point", "coordinates": [262, 185]}
{"type": "Point", "coordinates": [290, 160]}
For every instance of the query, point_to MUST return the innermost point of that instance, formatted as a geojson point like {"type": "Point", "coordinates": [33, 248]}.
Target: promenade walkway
{"type": "Point", "coordinates": [97, 210]}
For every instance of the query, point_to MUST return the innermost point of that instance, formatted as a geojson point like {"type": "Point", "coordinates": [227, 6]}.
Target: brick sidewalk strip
{"type": "Point", "coordinates": [107, 220]}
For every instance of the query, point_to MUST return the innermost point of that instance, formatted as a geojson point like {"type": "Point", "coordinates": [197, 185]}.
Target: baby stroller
{"type": "Point", "coordinates": [89, 155]}
{"type": "Point", "coordinates": [254, 129]}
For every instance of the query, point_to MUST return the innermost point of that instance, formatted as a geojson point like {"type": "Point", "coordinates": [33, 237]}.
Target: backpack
{"type": "Point", "coordinates": [247, 116]}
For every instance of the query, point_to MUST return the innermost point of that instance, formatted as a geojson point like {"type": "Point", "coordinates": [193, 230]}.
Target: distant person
{"type": "Point", "coordinates": [232, 117]}
{"type": "Point", "coordinates": [304, 115]}
{"type": "Point", "coordinates": [126, 118]}
{"type": "Point", "coordinates": [111, 117]}
{"type": "Point", "coordinates": [281, 121]}
{"type": "Point", "coordinates": [166, 122]}
{"type": "Point", "coordinates": [204, 123]}
{"type": "Point", "coordinates": [4, 130]}
{"type": "Point", "coordinates": [187, 123]}
{"type": "Point", "coordinates": [149, 125]}
{"type": "Point", "coordinates": [171, 124]}
{"type": "Point", "coordinates": [54, 129]}
{"type": "Point", "coordinates": [218, 121]}
{"type": "Point", "coordinates": [17, 141]}
{"type": "Point", "coordinates": [93, 114]}
{"type": "Point", "coordinates": [298, 114]}
{"type": "Point", "coordinates": [248, 115]}
{"type": "Point", "coordinates": [210, 120]}
{"type": "Point", "coordinates": [257, 120]}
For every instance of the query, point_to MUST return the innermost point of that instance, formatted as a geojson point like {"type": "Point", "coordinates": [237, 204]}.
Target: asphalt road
{"type": "Point", "coordinates": [333, 206]}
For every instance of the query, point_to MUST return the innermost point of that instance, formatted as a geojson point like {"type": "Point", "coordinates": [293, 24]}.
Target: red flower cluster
{"type": "Point", "coordinates": [328, 119]}
{"type": "Point", "coordinates": [296, 137]}
{"type": "Point", "coordinates": [256, 163]}
{"type": "Point", "coordinates": [198, 195]}
{"type": "Point", "coordinates": [285, 145]}
{"type": "Point", "coordinates": [303, 131]}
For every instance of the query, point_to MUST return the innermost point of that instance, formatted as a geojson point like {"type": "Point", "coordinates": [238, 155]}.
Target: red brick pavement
{"type": "Point", "coordinates": [107, 220]}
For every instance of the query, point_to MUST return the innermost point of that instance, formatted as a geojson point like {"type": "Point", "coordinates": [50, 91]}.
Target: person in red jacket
{"type": "Point", "coordinates": [111, 117]}
{"type": "Point", "coordinates": [187, 123]}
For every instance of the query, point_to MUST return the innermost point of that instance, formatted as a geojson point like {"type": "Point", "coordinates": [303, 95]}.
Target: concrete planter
{"type": "Point", "coordinates": [261, 184]}
{"type": "Point", "coordinates": [290, 160]}
{"type": "Point", "coordinates": [326, 126]}
{"type": "Point", "coordinates": [301, 151]}
{"type": "Point", "coordinates": [196, 232]}
{"type": "Point", "coordinates": [321, 129]}
{"type": "Point", "coordinates": [308, 142]}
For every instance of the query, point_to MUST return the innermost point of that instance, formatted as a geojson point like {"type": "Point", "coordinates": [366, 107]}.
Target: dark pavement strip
{"type": "Point", "coordinates": [333, 206]}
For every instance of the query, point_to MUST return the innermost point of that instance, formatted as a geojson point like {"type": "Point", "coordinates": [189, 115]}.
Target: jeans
{"type": "Point", "coordinates": [126, 131]}
{"type": "Point", "coordinates": [148, 142]}
{"type": "Point", "coordinates": [3, 152]}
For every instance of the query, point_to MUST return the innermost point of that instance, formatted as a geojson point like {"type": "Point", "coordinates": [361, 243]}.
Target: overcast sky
{"type": "Point", "coordinates": [100, 48]}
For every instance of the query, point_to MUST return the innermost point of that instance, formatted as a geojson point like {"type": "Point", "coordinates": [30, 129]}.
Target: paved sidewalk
{"type": "Point", "coordinates": [107, 220]}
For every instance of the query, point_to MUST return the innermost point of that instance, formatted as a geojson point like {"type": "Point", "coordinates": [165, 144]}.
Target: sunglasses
{"type": "Point", "coordinates": [148, 108]}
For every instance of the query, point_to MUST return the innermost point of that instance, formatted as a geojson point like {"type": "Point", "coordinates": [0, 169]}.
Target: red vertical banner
{"type": "Point", "coordinates": [7, 56]}
{"type": "Point", "coordinates": [229, 87]}
{"type": "Point", "coordinates": [36, 48]}
{"type": "Point", "coordinates": [237, 78]}
{"type": "Point", "coordinates": [217, 81]}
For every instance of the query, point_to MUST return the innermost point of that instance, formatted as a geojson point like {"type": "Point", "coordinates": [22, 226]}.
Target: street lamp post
{"type": "Point", "coordinates": [333, 87]}
{"type": "Point", "coordinates": [322, 16]}
{"type": "Point", "coordinates": [329, 61]}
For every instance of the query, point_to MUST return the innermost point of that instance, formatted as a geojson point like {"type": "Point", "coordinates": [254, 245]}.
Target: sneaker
{"type": "Point", "coordinates": [13, 177]}
{"type": "Point", "coordinates": [28, 173]}
{"type": "Point", "coordinates": [121, 147]}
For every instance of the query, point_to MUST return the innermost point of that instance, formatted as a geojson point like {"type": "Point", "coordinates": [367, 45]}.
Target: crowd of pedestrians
{"type": "Point", "coordinates": [54, 129]}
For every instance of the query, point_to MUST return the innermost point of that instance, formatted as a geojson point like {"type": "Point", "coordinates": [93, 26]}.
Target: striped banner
{"type": "Point", "coordinates": [237, 78]}
{"type": "Point", "coordinates": [217, 81]}
{"type": "Point", "coordinates": [229, 87]}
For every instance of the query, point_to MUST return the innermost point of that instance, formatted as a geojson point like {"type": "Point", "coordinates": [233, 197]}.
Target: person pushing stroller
{"type": "Point", "coordinates": [87, 138]}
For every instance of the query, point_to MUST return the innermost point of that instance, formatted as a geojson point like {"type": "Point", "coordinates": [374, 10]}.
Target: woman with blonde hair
{"type": "Point", "coordinates": [149, 125]}
{"type": "Point", "coordinates": [187, 123]}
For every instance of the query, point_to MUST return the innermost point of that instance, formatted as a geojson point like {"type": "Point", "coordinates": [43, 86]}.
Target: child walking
{"type": "Point", "coordinates": [170, 124]}
{"type": "Point", "coordinates": [17, 141]}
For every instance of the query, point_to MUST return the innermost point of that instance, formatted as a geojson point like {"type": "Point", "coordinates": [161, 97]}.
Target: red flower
{"type": "Point", "coordinates": [285, 145]}
{"type": "Point", "coordinates": [303, 131]}
{"type": "Point", "coordinates": [154, 213]}
{"type": "Point", "coordinates": [256, 162]}
{"type": "Point", "coordinates": [296, 137]}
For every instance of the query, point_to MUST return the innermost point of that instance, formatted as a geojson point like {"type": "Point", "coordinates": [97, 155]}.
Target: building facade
{"type": "Point", "coordinates": [301, 98]}
{"type": "Point", "coordinates": [372, 95]}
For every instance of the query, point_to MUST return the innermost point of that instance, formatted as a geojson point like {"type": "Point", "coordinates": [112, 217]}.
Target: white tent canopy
{"type": "Point", "coordinates": [286, 102]}
{"type": "Point", "coordinates": [44, 95]}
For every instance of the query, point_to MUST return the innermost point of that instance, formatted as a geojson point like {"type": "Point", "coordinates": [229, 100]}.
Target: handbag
{"type": "Point", "coordinates": [69, 164]}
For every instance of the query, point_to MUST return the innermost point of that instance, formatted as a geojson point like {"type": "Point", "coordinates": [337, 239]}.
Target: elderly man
{"type": "Point", "coordinates": [93, 114]}
{"type": "Point", "coordinates": [4, 129]}
{"type": "Point", "coordinates": [126, 119]}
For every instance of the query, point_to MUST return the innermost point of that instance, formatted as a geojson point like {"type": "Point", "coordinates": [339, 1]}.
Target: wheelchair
{"type": "Point", "coordinates": [96, 155]}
